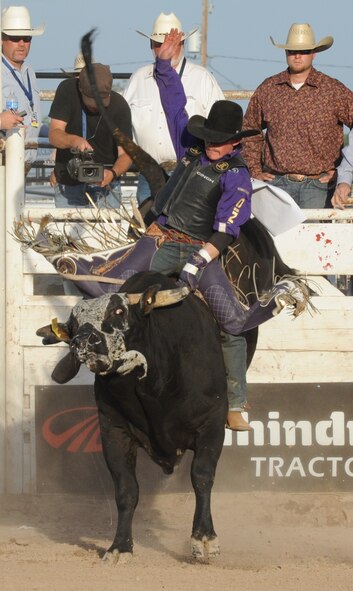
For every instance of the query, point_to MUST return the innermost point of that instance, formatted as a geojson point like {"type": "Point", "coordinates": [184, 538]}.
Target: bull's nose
{"type": "Point", "coordinates": [84, 339]}
{"type": "Point", "coordinates": [94, 339]}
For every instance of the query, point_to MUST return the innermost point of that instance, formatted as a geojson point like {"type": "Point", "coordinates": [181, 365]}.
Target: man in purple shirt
{"type": "Point", "coordinates": [196, 216]}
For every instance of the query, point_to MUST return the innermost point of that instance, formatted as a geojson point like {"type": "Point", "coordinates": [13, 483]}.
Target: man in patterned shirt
{"type": "Point", "coordinates": [303, 112]}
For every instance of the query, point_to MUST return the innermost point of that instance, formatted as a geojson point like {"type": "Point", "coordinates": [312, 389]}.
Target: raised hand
{"type": "Point", "coordinates": [170, 44]}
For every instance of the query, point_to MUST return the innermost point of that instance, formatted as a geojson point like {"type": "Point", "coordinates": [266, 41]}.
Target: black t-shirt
{"type": "Point", "coordinates": [68, 106]}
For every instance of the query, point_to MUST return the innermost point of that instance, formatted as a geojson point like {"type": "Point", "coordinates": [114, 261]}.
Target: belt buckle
{"type": "Point", "coordinates": [296, 178]}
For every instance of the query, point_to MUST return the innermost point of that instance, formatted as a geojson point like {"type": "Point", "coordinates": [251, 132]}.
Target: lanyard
{"type": "Point", "coordinates": [182, 67]}
{"type": "Point", "coordinates": [84, 124]}
{"type": "Point", "coordinates": [183, 63]}
{"type": "Point", "coordinates": [28, 91]}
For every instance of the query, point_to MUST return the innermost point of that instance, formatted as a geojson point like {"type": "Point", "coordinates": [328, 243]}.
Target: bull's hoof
{"type": "Point", "coordinates": [114, 557]}
{"type": "Point", "coordinates": [205, 548]}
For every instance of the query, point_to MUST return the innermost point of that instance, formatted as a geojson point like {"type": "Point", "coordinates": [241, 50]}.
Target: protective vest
{"type": "Point", "coordinates": [191, 196]}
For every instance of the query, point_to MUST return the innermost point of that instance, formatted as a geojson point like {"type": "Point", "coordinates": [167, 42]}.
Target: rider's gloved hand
{"type": "Point", "coordinates": [192, 270]}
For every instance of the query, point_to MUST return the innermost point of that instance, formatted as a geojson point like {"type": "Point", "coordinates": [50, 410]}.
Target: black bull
{"type": "Point", "coordinates": [160, 380]}
{"type": "Point", "coordinates": [164, 390]}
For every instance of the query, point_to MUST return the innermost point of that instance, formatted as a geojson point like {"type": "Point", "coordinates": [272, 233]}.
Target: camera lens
{"type": "Point", "coordinates": [89, 172]}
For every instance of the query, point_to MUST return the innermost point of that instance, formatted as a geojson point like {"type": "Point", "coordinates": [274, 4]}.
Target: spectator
{"type": "Point", "coordinates": [77, 125]}
{"type": "Point", "coordinates": [341, 196]}
{"type": "Point", "coordinates": [19, 84]}
{"type": "Point", "coordinates": [149, 123]}
{"type": "Point", "coordinates": [303, 112]}
{"type": "Point", "coordinates": [79, 64]}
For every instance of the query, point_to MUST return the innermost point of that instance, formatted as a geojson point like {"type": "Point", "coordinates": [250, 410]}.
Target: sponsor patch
{"type": "Point", "coordinates": [195, 151]}
{"type": "Point", "coordinates": [221, 166]}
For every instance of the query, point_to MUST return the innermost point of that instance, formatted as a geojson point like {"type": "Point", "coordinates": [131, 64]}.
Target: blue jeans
{"type": "Point", "coordinates": [234, 349]}
{"type": "Point", "coordinates": [74, 195]}
{"type": "Point", "coordinates": [143, 189]}
{"type": "Point", "coordinates": [308, 194]}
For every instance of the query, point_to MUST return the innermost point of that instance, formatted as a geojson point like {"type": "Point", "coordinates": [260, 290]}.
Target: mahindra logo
{"type": "Point", "coordinates": [82, 435]}
{"type": "Point", "coordinates": [336, 430]}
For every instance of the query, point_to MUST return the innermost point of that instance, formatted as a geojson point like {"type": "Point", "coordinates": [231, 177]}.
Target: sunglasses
{"type": "Point", "coordinates": [18, 38]}
{"type": "Point", "coordinates": [299, 51]}
{"type": "Point", "coordinates": [156, 44]}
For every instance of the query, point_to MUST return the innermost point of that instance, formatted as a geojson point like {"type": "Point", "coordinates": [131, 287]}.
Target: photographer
{"type": "Point", "coordinates": [87, 157]}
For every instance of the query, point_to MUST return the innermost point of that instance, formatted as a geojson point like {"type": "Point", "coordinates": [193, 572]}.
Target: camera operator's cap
{"type": "Point", "coordinates": [301, 38]}
{"type": "Point", "coordinates": [104, 81]}
{"type": "Point", "coordinates": [162, 25]}
{"type": "Point", "coordinates": [15, 20]}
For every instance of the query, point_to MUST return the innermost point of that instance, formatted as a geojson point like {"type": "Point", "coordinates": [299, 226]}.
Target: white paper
{"type": "Point", "coordinates": [275, 208]}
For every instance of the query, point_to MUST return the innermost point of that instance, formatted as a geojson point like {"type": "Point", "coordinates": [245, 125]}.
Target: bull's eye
{"type": "Point", "coordinates": [119, 311]}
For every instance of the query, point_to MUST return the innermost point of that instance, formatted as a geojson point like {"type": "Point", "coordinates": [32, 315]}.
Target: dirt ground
{"type": "Point", "coordinates": [268, 541]}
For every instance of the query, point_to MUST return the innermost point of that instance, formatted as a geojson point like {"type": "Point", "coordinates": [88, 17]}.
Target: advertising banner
{"type": "Point", "coordinates": [302, 440]}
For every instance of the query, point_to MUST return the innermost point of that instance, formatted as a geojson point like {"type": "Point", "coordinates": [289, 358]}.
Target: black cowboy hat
{"type": "Point", "coordinates": [224, 122]}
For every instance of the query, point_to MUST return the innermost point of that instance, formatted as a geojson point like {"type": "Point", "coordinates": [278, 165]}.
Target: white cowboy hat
{"type": "Point", "coordinates": [301, 37]}
{"type": "Point", "coordinates": [79, 64]}
{"type": "Point", "coordinates": [15, 21]}
{"type": "Point", "coordinates": [162, 25]}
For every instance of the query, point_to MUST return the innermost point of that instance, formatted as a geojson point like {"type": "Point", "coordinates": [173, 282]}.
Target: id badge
{"type": "Point", "coordinates": [34, 120]}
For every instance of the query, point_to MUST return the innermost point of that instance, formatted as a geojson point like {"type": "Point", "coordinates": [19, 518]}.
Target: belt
{"type": "Point", "coordinates": [171, 235]}
{"type": "Point", "coordinates": [299, 178]}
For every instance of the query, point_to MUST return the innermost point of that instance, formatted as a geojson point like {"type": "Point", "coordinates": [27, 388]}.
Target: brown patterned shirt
{"type": "Point", "coordinates": [304, 127]}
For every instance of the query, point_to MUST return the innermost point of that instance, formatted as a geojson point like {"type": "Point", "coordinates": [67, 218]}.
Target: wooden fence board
{"type": "Point", "coordinates": [295, 366]}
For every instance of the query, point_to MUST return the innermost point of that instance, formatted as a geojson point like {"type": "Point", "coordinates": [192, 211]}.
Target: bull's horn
{"type": "Point", "coordinates": [166, 297]}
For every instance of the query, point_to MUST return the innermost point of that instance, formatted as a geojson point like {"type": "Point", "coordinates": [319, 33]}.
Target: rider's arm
{"type": "Point", "coordinates": [173, 101]}
{"type": "Point", "coordinates": [234, 206]}
{"type": "Point", "coordinates": [234, 209]}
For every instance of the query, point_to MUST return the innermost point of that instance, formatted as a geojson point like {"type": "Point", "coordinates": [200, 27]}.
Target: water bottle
{"type": "Point", "coordinates": [12, 102]}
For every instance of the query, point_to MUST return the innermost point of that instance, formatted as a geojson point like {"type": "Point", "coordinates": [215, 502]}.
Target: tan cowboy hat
{"type": "Point", "coordinates": [15, 20]}
{"type": "Point", "coordinates": [162, 25]}
{"type": "Point", "coordinates": [301, 37]}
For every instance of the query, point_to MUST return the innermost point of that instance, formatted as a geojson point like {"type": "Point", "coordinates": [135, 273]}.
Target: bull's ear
{"type": "Point", "coordinates": [53, 333]}
{"type": "Point", "coordinates": [148, 298]}
{"type": "Point", "coordinates": [66, 369]}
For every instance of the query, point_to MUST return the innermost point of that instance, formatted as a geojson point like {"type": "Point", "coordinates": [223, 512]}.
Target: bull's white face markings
{"type": "Point", "coordinates": [94, 313]}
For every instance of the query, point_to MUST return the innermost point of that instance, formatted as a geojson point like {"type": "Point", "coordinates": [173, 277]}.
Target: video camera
{"type": "Point", "coordinates": [82, 168]}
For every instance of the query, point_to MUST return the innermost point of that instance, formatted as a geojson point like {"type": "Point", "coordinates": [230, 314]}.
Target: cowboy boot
{"type": "Point", "coordinates": [236, 421]}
